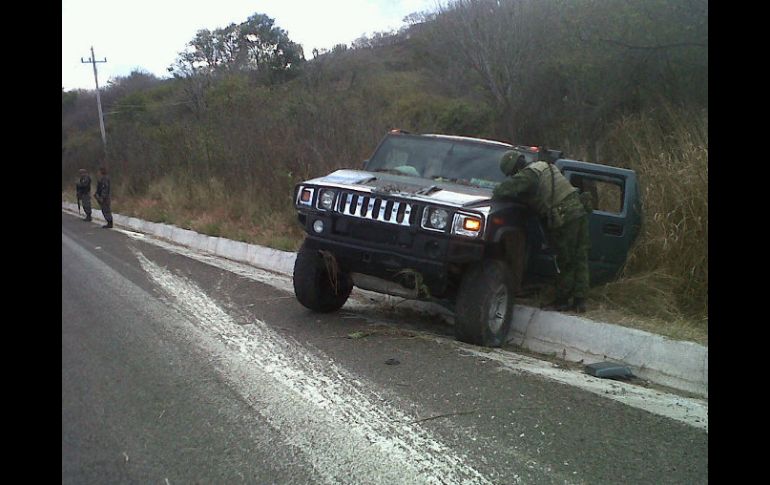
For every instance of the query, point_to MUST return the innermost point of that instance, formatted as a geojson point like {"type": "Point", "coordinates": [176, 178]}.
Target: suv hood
{"type": "Point", "coordinates": [447, 193]}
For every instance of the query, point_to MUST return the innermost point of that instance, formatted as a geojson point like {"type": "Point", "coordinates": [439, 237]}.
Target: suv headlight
{"type": "Point", "coordinates": [326, 199]}
{"type": "Point", "coordinates": [305, 195]}
{"type": "Point", "coordinates": [435, 219]}
{"type": "Point", "coordinates": [469, 225]}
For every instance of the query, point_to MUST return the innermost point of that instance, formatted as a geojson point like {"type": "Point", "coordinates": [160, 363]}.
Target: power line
{"type": "Point", "coordinates": [132, 108]}
{"type": "Point", "coordinates": [92, 60]}
{"type": "Point", "coordinates": [152, 105]}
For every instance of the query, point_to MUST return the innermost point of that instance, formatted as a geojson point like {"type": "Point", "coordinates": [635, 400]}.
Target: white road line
{"type": "Point", "coordinates": [342, 426]}
{"type": "Point", "coordinates": [691, 411]}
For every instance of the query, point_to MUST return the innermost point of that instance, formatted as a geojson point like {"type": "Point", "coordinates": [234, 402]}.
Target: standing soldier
{"type": "Point", "coordinates": [83, 191]}
{"type": "Point", "coordinates": [102, 196]}
{"type": "Point", "coordinates": [543, 188]}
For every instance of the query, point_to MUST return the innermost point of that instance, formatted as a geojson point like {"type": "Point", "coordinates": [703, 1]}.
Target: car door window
{"type": "Point", "coordinates": [606, 194]}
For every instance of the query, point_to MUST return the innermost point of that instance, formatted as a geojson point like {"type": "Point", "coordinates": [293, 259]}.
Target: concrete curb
{"type": "Point", "coordinates": [677, 364]}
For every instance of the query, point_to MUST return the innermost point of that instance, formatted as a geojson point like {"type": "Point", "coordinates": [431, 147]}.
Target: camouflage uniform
{"type": "Point", "coordinates": [102, 196]}
{"type": "Point", "coordinates": [543, 188]}
{"type": "Point", "coordinates": [571, 244]}
{"type": "Point", "coordinates": [83, 190]}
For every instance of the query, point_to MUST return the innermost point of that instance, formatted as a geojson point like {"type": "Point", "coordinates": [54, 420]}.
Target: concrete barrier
{"type": "Point", "coordinates": [677, 364]}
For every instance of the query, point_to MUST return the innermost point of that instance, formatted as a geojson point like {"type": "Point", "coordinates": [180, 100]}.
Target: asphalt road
{"type": "Point", "coordinates": [177, 371]}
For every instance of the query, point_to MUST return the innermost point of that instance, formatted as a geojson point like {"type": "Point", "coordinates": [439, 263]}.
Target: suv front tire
{"type": "Point", "coordinates": [484, 306]}
{"type": "Point", "coordinates": [313, 283]}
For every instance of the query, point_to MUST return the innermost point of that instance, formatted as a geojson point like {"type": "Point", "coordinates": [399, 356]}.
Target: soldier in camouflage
{"type": "Point", "coordinates": [102, 196]}
{"type": "Point", "coordinates": [83, 191]}
{"type": "Point", "coordinates": [543, 188]}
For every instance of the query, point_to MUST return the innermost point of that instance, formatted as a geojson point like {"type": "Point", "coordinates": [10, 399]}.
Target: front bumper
{"type": "Point", "coordinates": [384, 251]}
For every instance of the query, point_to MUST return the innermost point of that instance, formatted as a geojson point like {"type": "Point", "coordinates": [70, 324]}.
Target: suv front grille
{"type": "Point", "coordinates": [376, 209]}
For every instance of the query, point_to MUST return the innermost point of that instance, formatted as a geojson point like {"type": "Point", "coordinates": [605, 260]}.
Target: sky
{"type": "Point", "coordinates": [148, 34]}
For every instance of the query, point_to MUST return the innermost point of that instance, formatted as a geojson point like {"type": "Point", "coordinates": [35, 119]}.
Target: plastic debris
{"type": "Point", "coordinates": [608, 370]}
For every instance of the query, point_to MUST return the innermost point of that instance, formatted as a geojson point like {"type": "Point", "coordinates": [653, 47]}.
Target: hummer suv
{"type": "Point", "coordinates": [418, 222]}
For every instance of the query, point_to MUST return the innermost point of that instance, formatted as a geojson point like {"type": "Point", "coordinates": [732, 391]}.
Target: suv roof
{"type": "Point", "coordinates": [468, 138]}
{"type": "Point", "coordinates": [553, 154]}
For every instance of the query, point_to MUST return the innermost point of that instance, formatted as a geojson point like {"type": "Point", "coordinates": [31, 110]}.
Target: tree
{"type": "Point", "coordinates": [256, 45]}
{"type": "Point", "coordinates": [120, 86]}
{"type": "Point", "coordinates": [499, 44]}
{"type": "Point", "coordinates": [267, 46]}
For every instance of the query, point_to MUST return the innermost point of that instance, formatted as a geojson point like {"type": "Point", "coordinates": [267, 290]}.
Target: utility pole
{"type": "Point", "coordinates": [92, 60]}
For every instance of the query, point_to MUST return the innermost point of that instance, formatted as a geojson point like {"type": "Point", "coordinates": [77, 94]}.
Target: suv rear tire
{"type": "Point", "coordinates": [312, 283]}
{"type": "Point", "coordinates": [484, 306]}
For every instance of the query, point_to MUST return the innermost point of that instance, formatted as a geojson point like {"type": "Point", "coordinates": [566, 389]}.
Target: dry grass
{"type": "Point", "coordinates": [667, 272]}
{"type": "Point", "coordinates": [208, 207]}
{"type": "Point", "coordinates": [679, 328]}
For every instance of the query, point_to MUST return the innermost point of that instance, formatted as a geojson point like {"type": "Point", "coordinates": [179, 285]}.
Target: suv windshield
{"type": "Point", "coordinates": [459, 161]}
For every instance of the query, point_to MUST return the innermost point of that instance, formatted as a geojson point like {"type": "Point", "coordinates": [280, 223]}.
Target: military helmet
{"type": "Point", "coordinates": [512, 161]}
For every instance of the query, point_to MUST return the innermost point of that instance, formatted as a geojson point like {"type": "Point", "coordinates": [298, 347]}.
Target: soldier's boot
{"type": "Point", "coordinates": [107, 226]}
{"type": "Point", "coordinates": [579, 305]}
{"type": "Point", "coordinates": [87, 219]}
{"type": "Point", "coordinates": [559, 305]}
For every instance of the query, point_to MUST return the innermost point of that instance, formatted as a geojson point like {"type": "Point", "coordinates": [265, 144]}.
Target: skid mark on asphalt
{"type": "Point", "coordinates": [344, 429]}
{"type": "Point", "coordinates": [691, 411]}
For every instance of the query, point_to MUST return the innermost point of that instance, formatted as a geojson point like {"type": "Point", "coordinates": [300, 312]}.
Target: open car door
{"type": "Point", "coordinates": [616, 219]}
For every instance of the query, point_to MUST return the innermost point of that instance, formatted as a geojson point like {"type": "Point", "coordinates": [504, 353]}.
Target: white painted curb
{"type": "Point", "coordinates": [677, 364]}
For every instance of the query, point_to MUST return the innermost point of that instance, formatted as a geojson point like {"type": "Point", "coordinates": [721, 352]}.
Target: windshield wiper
{"type": "Point", "coordinates": [453, 180]}
{"type": "Point", "coordinates": [388, 170]}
